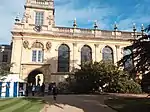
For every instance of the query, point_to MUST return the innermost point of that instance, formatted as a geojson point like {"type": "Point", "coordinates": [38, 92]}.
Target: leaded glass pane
{"type": "Point", "coordinates": [108, 54]}
{"type": "Point", "coordinates": [39, 18]}
{"type": "Point", "coordinates": [129, 63]}
{"type": "Point", "coordinates": [34, 55]}
{"type": "Point", "coordinates": [63, 58]}
{"type": "Point", "coordinates": [86, 54]}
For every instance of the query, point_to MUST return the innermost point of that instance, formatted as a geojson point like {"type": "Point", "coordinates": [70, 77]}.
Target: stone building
{"type": "Point", "coordinates": [41, 47]}
{"type": "Point", "coordinates": [5, 54]}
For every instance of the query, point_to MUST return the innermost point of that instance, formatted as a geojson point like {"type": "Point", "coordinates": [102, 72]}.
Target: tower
{"type": "Point", "coordinates": [37, 20]}
{"type": "Point", "coordinates": [39, 13]}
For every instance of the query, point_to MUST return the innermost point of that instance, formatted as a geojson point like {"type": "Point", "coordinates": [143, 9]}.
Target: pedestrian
{"type": "Point", "coordinates": [43, 89]}
{"type": "Point", "coordinates": [33, 90]}
{"type": "Point", "coordinates": [38, 89]}
{"type": "Point", "coordinates": [27, 89]}
{"type": "Point", "coordinates": [55, 91]}
{"type": "Point", "coordinates": [49, 89]}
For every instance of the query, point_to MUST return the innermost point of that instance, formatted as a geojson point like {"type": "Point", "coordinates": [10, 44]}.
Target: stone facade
{"type": "Point", "coordinates": [5, 54]}
{"type": "Point", "coordinates": [26, 33]}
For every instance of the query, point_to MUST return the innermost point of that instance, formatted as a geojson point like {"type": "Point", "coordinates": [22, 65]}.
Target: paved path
{"type": "Point", "coordinates": [77, 103]}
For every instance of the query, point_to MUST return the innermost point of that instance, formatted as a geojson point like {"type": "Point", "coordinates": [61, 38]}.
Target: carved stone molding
{"type": "Point", "coordinates": [50, 19]}
{"type": "Point", "coordinates": [26, 44]}
{"type": "Point", "coordinates": [48, 45]}
{"type": "Point", "coordinates": [26, 17]}
{"type": "Point", "coordinates": [96, 45]}
{"type": "Point", "coordinates": [37, 44]}
{"type": "Point", "coordinates": [74, 44]}
{"type": "Point", "coordinates": [117, 46]}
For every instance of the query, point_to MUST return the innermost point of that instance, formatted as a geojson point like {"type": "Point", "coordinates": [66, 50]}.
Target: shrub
{"type": "Point", "coordinates": [91, 77]}
{"type": "Point", "coordinates": [131, 86]}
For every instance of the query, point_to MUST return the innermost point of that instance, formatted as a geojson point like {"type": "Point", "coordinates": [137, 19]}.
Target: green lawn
{"type": "Point", "coordinates": [21, 105]}
{"type": "Point", "coordinates": [129, 104]}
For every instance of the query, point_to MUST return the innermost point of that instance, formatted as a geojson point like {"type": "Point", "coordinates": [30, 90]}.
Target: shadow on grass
{"type": "Point", "coordinates": [32, 99]}
{"type": "Point", "coordinates": [31, 102]}
{"type": "Point", "coordinates": [129, 104]}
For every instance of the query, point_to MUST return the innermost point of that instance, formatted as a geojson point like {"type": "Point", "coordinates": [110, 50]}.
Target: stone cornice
{"type": "Point", "coordinates": [28, 34]}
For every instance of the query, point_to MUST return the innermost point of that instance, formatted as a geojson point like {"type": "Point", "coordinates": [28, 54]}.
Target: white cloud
{"type": "Point", "coordinates": [67, 13]}
{"type": "Point", "coordinates": [140, 16]}
{"type": "Point", "coordinates": [67, 10]}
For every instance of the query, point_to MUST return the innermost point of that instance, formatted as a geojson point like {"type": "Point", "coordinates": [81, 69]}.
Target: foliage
{"type": "Point", "coordinates": [141, 57]}
{"type": "Point", "coordinates": [140, 54]}
{"type": "Point", "coordinates": [5, 69]}
{"type": "Point", "coordinates": [63, 87]}
{"type": "Point", "coordinates": [91, 77]}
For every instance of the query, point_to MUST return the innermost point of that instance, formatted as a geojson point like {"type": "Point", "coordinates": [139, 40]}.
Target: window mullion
{"type": "Point", "coordinates": [37, 52]}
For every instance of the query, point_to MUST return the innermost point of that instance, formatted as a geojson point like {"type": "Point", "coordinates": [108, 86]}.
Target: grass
{"type": "Point", "coordinates": [129, 104]}
{"type": "Point", "coordinates": [21, 105]}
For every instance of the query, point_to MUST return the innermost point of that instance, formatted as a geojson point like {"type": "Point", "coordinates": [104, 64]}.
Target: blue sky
{"type": "Point", "coordinates": [106, 12]}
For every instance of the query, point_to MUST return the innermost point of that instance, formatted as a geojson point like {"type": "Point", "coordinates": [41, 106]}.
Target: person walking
{"type": "Point", "coordinates": [27, 90]}
{"type": "Point", "coordinates": [43, 89]}
{"type": "Point", "coordinates": [38, 89]}
{"type": "Point", "coordinates": [54, 90]}
{"type": "Point", "coordinates": [49, 89]}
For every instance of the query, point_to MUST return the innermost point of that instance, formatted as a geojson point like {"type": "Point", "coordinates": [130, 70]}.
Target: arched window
{"type": "Point", "coordinates": [63, 58]}
{"type": "Point", "coordinates": [86, 54]}
{"type": "Point", "coordinates": [108, 54]}
{"type": "Point", "coordinates": [128, 63]}
{"type": "Point", "coordinates": [37, 52]}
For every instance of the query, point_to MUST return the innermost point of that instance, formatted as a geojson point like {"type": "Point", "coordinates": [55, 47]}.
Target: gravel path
{"type": "Point", "coordinates": [77, 103]}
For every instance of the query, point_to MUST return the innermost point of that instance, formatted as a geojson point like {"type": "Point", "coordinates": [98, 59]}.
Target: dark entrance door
{"type": "Point", "coordinates": [32, 77]}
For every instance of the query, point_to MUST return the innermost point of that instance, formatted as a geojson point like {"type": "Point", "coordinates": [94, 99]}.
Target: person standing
{"type": "Point", "coordinates": [33, 90]}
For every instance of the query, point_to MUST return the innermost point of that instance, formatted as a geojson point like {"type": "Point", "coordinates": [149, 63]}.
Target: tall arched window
{"type": "Point", "coordinates": [63, 58]}
{"type": "Point", "coordinates": [129, 63]}
{"type": "Point", "coordinates": [86, 54]}
{"type": "Point", "coordinates": [108, 54]}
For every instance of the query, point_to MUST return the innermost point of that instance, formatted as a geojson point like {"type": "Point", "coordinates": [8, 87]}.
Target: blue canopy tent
{"type": "Point", "coordinates": [9, 86]}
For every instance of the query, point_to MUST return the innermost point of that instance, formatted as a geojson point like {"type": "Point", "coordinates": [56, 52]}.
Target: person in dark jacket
{"type": "Point", "coordinates": [49, 89]}
{"type": "Point", "coordinates": [43, 89]}
{"type": "Point", "coordinates": [27, 90]}
{"type": "Point", "coordinates": [55, 92]}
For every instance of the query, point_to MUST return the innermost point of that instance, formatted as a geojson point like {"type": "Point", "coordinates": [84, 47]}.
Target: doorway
{"type": "Point", "coordinates": [36, 77]}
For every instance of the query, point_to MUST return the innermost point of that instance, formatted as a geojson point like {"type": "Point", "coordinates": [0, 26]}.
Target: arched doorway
{"type": "Point", "coordinates": [35, 77]}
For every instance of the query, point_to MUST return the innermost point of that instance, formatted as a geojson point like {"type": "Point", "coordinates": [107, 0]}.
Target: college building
{"type": "Point", "coordinates": [40, 49]}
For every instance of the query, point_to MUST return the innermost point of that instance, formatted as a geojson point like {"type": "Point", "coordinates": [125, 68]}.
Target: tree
{"type": "Point", "coordinates": [140, 56]}
{"type": "Point", "coordinates": [5, 69]}
{"type": "Point", "coordinates": [93, 76]}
